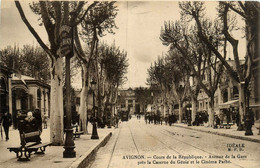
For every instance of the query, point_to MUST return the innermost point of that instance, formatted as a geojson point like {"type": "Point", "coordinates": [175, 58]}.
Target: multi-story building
{"type": "Point", "coordinates": [227, 95]}
{"type": "Point", "coordinates": [127, 100]}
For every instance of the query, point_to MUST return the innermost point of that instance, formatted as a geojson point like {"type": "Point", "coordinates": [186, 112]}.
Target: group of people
{"type": "Point", "coordinates": [27, 121]}
{"type": "Point", "coordinates": [153, 118]}
{"type": "Point", "coordinates": [200, 119]}
{"type": "Point", "coordinates": [171, 119]}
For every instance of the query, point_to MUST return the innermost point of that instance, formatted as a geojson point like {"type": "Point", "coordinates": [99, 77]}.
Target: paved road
{"type": "Point", "coordinates": [136, 144]}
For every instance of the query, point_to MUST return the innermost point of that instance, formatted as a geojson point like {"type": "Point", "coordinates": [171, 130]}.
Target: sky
{"type": "Point", "coordinates": [139, 24]}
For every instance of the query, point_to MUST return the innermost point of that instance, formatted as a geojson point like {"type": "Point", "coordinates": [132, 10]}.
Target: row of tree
{"type": "Point", "coordinates": [28, 60]}
{"type": "Point", "coordinates": [82, 22]}
{"type": "Point", "coordinates": [198, 48]}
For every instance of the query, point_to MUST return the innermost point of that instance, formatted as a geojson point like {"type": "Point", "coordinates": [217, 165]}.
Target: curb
{"type": "Point", "coordinates": [88, 156]}
{"type": "Point", "coordinates": [222, 134]}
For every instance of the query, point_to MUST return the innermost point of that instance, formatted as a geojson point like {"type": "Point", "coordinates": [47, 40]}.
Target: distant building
{"type": "Point", "coordinates": [227, 95]}
{"type": "Point", "coordinates": [128, 100]}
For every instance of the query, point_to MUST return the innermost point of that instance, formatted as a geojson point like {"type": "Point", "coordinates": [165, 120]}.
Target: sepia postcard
{"type": "Point", "coordinates": [129, 84]}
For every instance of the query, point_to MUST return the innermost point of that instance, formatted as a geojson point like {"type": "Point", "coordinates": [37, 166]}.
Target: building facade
{"type": "Point", "coordinates": [128, 101]}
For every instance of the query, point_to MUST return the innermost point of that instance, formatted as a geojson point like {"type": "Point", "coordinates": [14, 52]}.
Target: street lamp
{"type": "Point", "coordinates": [94, 130]}
{"type": "Point", "coordinates": [69, 145]}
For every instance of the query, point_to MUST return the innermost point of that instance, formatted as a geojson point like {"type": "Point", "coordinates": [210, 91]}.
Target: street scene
{"type": "Point", "coordinates": [93, 84]}
{"type": "Point", "coordinates": [136, 144]}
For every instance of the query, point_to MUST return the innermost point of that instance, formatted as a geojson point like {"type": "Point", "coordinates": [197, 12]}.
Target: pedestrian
{"type": "Point", "coordinates": [117, 120]}
{"type": "Point", "coordinates": [237, 118]}
{"type": "Point", "coordinates": [7, 122]}
{"type": "Point", "coordinates": [171, 119]}
{"type": "Point", "coordinates": [154, 119]}
{"type": "Point", "coordinates": [45, 120]}
{"type": "Point", "coordinates": [37, 115]}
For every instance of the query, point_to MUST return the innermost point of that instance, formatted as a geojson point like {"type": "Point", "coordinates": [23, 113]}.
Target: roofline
{"type": "Point", "coordinates": [32, 82]}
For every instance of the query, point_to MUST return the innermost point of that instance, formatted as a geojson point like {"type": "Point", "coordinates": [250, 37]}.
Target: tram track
{"type": "Point", "coordinates": [173, 142]}
{"type": "Point", "coordinates": [114, 146]}
{"type": "Point", "coordinates": [161, 142]}
{"type": "Point", "coordinates": [133, 138]}
{"type": "Point", "coordinates": [171, 134]}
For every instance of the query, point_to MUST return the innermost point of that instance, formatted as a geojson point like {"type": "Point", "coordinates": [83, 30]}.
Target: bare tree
{"type": "Point", "coordinates": [99, 20]}
{"type": "Point", "coordinates": [194, 53]}
{"type": "Point", "coordinates": [249, 11]}
{"type": "Point", "coordinates": [57, 17]}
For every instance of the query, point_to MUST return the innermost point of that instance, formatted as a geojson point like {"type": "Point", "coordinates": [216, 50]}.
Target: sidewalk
{"type": "Point", "coordinates": [232, 132]}
{"type": "Point", "coordinates": [53, 157]}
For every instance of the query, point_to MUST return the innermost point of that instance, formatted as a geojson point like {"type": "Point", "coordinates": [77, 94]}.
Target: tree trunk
{"type": "Point", "coordinates": [165, 109]}
{"type": "Point", "coordinates": [170, 109]}
{"type": "Point", "coordinates": [83, 101]}
{"type": "Point", "coordinates": [180, 111]}
{"type": "Point", "coordinates": [56, 109]}
{"type": "Point", "coordinates": [194, 109]}
{"type": "Point", "coordinates": [242, 102]}
{"type": "Point", "coordinates": [211, 112]}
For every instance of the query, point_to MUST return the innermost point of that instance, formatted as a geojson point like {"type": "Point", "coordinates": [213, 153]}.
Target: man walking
{"type": "Point", "coordinates": [7, 122]}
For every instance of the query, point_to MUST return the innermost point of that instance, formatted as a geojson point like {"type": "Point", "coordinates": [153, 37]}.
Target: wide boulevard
{"type": "Point", "coordinates": [137, 144]}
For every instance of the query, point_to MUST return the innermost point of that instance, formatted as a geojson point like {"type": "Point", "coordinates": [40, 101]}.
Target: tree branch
{"type": "Point", "coordinates": [215, 51]}
{"type": "Point", "coordinates": [57, 8]}
{"type": "Point", "coordinates": [47, 22]}
{"type": "Point", "coordinates": [232, 41]}
{"type": "Point", "coordinates": [76, 12]}
{"type": "Point", "coordinates": [235, 10]}
{"type": "Point", "coordinates": [80, 19]}
{"type": "Point", "coordinates": [34, 33]}
{"type": "Point", "coordinates": [250, 59]}
{"type": "Point", "coordinates": [78, 47]}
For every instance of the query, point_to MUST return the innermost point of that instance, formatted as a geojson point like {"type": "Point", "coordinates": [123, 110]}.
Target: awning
{"type": "Point", "coordinates": [232, 103]}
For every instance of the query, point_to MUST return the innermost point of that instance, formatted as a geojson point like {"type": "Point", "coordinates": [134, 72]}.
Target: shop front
{"type": "Point", "coordinates": [229, 111]}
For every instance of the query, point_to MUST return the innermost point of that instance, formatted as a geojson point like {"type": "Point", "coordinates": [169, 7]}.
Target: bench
{"type": "Point", "coordinates": [76, 133]}
{"type": "Point", "coordinates": [30, 142]}
{"type": "Point", "coordinates": [226, 125]}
